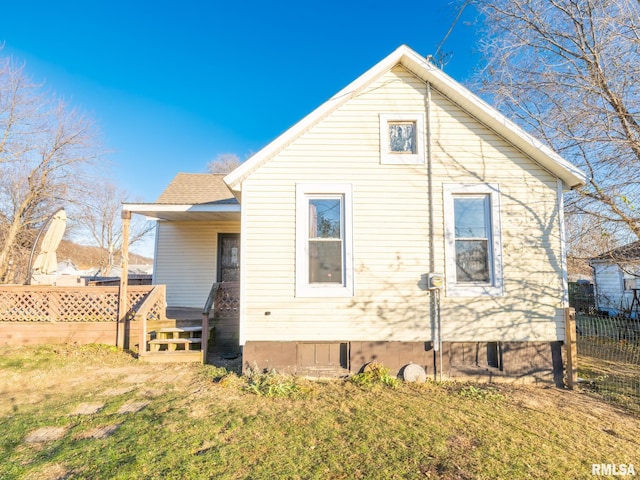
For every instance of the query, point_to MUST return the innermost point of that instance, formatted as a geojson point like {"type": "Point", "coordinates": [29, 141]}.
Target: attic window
{"type": "Point", "coordinates": [401, 138]}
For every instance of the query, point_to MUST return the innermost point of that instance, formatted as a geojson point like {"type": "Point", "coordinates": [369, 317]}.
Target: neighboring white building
{"type": "Point", "coordinates": [617, 279]}
{"type": "Point", "coordinates": [335, 228]}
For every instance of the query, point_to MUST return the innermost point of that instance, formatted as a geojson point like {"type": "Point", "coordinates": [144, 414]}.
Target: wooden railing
{"type": "Point", "coordinates": [224, 300]}
{"type": "Point", "coordinates": [34, 303]}
{"type": "Point", "coordinates": [227, 300]}
{"type": "Point", "coordinates": [154, 307]}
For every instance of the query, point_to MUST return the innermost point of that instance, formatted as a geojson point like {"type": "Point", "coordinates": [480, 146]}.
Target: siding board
{"type": "Point", "coordinates": [189, 259]}
{"type": "Point", "coordinates": [391, 229]}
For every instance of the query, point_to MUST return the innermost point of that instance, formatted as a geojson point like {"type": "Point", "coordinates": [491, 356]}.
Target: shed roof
{"type": "Point", "coordinates": [422, 68]}
{"type": "Point", "coordinates": [629, 252]}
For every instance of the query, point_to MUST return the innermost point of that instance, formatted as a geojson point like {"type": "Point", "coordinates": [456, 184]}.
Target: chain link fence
{"type": "Point", "coordinates": [609, 358]}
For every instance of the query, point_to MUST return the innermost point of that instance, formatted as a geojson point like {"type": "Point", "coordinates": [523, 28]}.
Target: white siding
{"type": "Point", "coordinates": [609, 288]}
{"type": "Point", "coordinates": [391, 230]}
{"type": "Point", "coordinates": [186, 259]}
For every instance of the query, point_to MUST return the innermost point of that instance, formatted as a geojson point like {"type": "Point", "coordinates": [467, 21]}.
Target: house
{"type": "Point", "coordinates": [402, 221]}
{"type": "Point", "coordinates": [617, 279]}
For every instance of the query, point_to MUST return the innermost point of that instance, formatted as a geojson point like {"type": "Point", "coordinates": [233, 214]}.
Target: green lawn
{"type": "Point", "coordinates": [190, 421]}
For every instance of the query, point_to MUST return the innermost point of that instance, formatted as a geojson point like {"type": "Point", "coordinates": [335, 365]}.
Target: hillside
{"type": "Point", "coordinates": [85, 256]}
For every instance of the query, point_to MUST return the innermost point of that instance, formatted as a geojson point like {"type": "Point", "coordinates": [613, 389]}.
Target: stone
{"type": "Point", "coordinates": [414, 373]}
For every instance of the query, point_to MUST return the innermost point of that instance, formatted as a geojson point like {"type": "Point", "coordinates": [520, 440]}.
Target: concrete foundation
{"type": "Point", "coordinates": [480, 361]}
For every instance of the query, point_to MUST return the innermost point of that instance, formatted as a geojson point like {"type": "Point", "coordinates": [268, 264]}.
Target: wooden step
{"type": "Point", "coordinates": [177, 356]}
{"type": "Point", "coordinates": [179, 329]}
{"type": "Point", "coordinates": [173, 343]}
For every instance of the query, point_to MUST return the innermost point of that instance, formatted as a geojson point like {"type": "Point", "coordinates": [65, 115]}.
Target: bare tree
{"type": "Point", "coordinates": [45, 148]}
{"type": "Point", "coordinates": [99, 219]}
{"type": "Point", "coordinates": [569, 72]}
{"type": "Point", "coordinates": [224, 163]}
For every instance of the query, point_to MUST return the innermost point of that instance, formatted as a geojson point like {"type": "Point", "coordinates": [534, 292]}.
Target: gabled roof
{"type": "Point", "coordinates": [419, 66]}
{"type": "Point", "coordinates": [626, 253]}
{"type": "Point", "coordinates": [191, 196]}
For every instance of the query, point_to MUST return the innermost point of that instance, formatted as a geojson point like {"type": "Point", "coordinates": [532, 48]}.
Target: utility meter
{"type": "Point", "coordinates": [436, 281]}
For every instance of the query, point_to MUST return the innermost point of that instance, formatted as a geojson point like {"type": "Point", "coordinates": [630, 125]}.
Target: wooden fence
{"type": "Point", "coordinates": [34, 303]}
{"type": "Point", "coordinates": [44, 314]}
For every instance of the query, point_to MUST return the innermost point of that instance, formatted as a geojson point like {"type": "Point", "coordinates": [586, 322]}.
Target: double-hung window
{"type": "Point", "coordinates": [473, 241]}
{"type": "Point", "coordinates": [324, 264]}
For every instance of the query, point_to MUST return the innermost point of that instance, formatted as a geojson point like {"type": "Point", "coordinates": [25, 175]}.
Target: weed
{"type": "Point", "coordinates": [374, 374]}
{"type": "Point", "coordinates": [272, 384]}
{"type": "Point", "coordinates": [215, 374]}
{"type": "Point", "coordinates": [484, 393]}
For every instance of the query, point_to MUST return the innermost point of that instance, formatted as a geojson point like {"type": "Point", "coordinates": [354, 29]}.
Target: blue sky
{"type": "Point", "coordinates": [173, 84]}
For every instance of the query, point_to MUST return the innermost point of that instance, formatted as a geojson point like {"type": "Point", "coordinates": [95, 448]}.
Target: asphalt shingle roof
{"type": "Point", "coordinates": [630, 251]}
{"type": "Point", "coordinates": [196, 188]}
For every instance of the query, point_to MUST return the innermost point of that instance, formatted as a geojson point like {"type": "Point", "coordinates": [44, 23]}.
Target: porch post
{"type": "Point", "coordinates": [123, 307]}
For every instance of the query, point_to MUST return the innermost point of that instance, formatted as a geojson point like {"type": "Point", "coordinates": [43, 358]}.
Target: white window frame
{"type": "Point", "coordinates": [495, 287]}
{"type": "Point", "coordinates": [388, 157]}
{"type": "Point", "coordinates": [629, 279]}
{"type": "Point", "coordinates": [305, 192]}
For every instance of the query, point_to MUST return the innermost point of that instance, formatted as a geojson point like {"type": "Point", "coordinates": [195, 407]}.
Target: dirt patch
{"type": "Point", "coordinates": [53, 471]}
{"type": "Point", "coordinates": [116, 392]}
{"type": "Point", "coordinates": [99, 432]}
{"type": "Point", "coordinates": [137, 378]}
{"type": "Point", "coordinates": [46, 434]}
{"type": "Point", "coordinates": [132, 407]}
{"type": "Point", "coordinates": [571, 401]}
{"type": "Point", "coordinates": [87, 408]}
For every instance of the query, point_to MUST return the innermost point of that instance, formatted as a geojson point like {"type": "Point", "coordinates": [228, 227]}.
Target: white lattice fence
{"type": "Point", "coordinates": [65, 304]}
{"type": "Point", "coordinates": [227, 301]}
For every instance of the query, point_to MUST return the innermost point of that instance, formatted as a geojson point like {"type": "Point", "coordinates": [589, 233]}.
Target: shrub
{"type": "Point", "coordinates": [374, 374]}
{"type": "Point", "coordinates": [485, 393]}
{"type": "Point", "coordinates": [272, 384]}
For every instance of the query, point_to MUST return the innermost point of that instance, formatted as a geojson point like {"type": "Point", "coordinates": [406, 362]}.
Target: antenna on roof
{"type": "Point", "coordinates": [442, 58]}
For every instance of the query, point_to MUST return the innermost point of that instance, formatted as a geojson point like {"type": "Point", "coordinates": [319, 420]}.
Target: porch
{"type": "Point", "coordinates": [197, 243]}
{"type": "Point", "coordinates": [186, 334]}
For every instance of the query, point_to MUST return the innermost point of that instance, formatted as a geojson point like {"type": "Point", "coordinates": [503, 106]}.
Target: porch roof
{"type": "Point", "coordinates": [186, 212]}
{"type": "Point", "coordinates": [191, 196]}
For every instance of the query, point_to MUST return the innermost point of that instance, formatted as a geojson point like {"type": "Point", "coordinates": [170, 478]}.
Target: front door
{"type": "Point", "coordinates": [228, 257]}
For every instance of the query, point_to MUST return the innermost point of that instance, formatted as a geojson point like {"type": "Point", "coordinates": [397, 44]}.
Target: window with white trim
{"type": "Point", "coordinates": [473, 246]}
{"type": "Point", "coordinates": [630, 284]}
{"type": "Point", "coordinates": [324, 266]}
{"type": "Point", "coordinates": [401, 138]}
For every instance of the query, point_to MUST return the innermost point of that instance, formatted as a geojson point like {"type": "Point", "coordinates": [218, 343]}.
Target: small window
{"type": "Point", "coordinates": [630, 284]}
{"type": "Point", "coordinates": [324, 264]}
{"type": "Point", "coordinates": [401, 138]}
{"type": "Point", "coordinates": [473, 246]}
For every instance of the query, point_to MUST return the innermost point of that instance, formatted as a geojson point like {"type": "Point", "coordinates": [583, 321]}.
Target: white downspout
{"type": "Point", "coordinates": [434, 294]}
{"type": "Point", "coordinates": [563, 245]}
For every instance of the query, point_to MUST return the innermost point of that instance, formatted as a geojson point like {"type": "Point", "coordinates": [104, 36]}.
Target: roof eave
{"type": "Point", "coordinates": [472, 104]}
{"type": "Point", "coordinates": [571, 175]}
{"type": "Point", "coordinates": [158, 211]}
